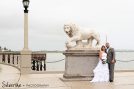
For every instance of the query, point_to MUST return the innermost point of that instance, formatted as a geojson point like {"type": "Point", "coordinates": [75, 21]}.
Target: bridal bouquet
{"type": "Point", "coordinates": [104, 61]}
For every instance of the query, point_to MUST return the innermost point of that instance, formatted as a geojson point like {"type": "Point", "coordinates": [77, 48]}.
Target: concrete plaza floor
{"type": "Point", "coordinates": [10, 75]}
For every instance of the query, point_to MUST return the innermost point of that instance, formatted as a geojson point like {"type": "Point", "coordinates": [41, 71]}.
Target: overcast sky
{"type": "Point", "coordinates": [47, 17]}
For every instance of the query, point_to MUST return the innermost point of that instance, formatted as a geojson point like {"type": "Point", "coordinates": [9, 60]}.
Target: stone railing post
{"type": "Point", "coordinates": [25, 62]}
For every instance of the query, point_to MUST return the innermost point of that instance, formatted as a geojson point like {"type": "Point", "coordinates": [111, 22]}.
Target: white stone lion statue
{"type": "Point", "coordinates": [78, 35]}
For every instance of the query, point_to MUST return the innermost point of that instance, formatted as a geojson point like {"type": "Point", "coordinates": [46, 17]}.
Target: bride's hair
{"type": "Point", "coordinates": [102, 48]}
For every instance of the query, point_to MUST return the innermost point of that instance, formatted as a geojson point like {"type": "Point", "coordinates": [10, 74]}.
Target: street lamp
{"type": "Point", "coordinates": [26, 5]}
{"type": "Point", "coordinates": [25, 53]}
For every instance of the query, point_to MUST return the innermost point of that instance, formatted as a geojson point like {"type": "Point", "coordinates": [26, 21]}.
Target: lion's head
{"type": "Point", "coordinates": [70, 29]}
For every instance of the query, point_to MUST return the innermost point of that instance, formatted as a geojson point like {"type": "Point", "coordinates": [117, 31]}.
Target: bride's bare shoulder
{"type": "Point", "coordinates": [101, 51]}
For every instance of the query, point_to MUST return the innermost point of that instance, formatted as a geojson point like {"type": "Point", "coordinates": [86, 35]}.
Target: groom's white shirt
{"type": "Point", "coordinates": [108, 50]}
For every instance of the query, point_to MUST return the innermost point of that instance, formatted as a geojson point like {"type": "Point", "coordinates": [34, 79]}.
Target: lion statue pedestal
{"type": "Point", "coordinates": [79, 64]}
{"type": "Point", "coordinates": [81, 59]}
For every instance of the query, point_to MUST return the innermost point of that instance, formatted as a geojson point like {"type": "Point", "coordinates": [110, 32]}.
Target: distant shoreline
{"type": "Point", "coordinates": [124, 50]}
{"type": "Point", "coordinates": [57, 51]}
{"type": "Point", "coordinates": [64, 51]}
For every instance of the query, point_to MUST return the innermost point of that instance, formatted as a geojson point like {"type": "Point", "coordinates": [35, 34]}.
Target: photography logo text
{"type": "Point", "coordinates": [19, 85]}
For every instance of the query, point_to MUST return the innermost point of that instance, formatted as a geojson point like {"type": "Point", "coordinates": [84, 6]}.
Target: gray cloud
{"type": "Point", "coordinates": [46, 19]}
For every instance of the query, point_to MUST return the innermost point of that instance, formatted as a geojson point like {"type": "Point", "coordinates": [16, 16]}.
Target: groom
{"type": "Point", "coordinates": [111, 61]}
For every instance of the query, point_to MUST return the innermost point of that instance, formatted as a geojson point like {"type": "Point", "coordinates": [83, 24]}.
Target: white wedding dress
{"type": "Point", "coordinates": [101, 72]}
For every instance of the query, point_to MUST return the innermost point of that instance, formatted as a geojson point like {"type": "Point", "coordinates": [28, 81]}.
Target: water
{"type": "Point", "coordinates": [125, 56]}
{"type": "Point", "coordinates": [60, 66]}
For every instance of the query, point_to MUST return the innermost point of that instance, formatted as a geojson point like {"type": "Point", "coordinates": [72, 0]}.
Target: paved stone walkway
{"type": "Point", "coordinates": [11, 75]}
{"type": "Point", "coordinates": [8, 73]}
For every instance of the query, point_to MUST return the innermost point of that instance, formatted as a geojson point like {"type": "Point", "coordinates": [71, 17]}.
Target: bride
{"type": "Point", "coordinates": [101, 72]}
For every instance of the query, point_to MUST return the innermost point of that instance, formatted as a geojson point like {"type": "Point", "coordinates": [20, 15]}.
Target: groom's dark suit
{"type": "Point", "coordinates": [110, 57]}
